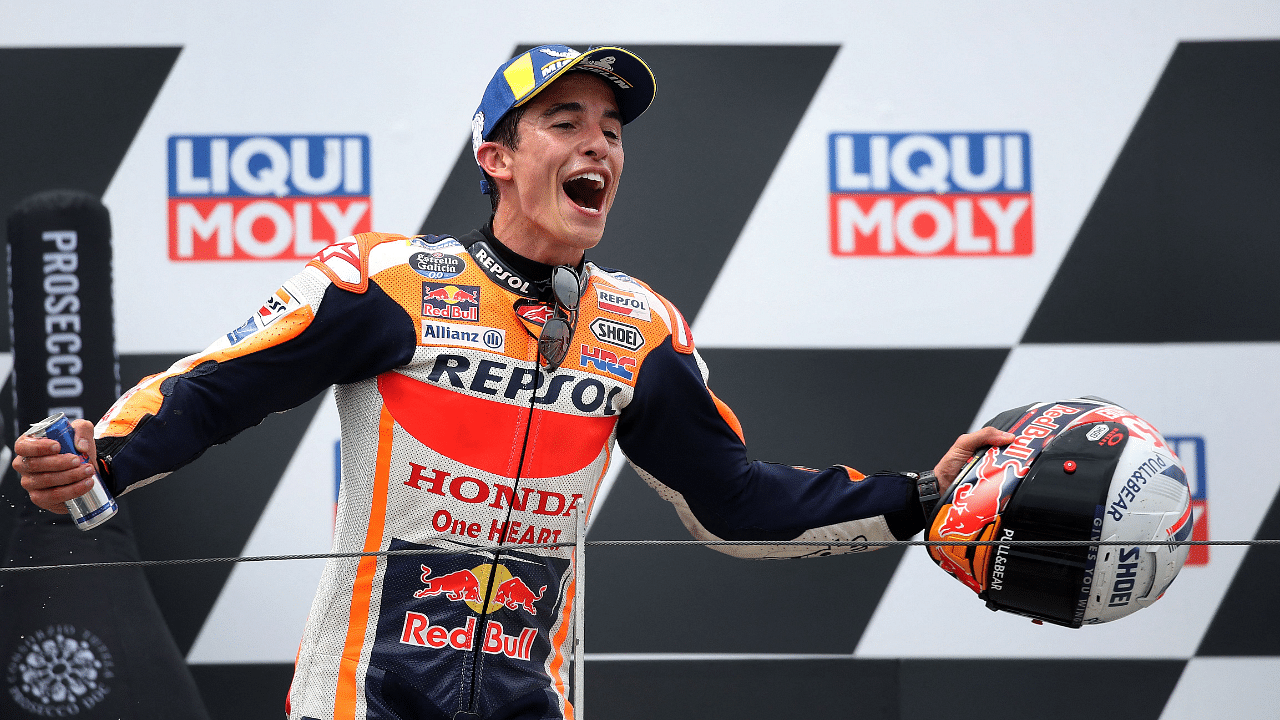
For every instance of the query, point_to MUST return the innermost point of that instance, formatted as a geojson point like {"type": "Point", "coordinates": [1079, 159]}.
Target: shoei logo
{"type": "Point", "coordinates": [279, 197]}
{"type": "Point", "coordinates": [1190, 450]}
{"type": "Point", "coordinates": [931, 194]}
{"type": "Point", "coordinates": [616, 333]}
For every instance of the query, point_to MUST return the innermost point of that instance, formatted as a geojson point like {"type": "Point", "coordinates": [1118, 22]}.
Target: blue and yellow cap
{"type": "Point", "coordinates": [521, 78]}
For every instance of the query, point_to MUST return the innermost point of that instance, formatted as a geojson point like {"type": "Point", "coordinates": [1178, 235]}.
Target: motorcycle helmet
{"type": "Point", "coordinates": [1078, 469]}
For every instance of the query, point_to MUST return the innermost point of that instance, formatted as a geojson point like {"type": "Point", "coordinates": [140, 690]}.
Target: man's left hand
{"type": "Point", "coordinates": [950, 465]}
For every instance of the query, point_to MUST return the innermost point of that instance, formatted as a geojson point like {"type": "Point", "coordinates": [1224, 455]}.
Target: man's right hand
{"type": "Point", "coordinates": [52, 477]}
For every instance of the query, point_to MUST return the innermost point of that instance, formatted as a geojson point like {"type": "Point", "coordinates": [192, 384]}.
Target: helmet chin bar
{"type": "Point", "coordinates": [1052, 583]}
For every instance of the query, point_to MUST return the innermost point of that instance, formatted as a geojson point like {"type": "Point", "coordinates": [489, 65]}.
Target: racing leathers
{"type": "Point", "coordinates": [454, 437]}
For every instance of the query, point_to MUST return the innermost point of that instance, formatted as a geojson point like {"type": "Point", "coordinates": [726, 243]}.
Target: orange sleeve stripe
{"type": "Point", "coordinates": [682, 328]}
{"type": "Point", "coordinates": [344, 707]}
{"type": "Point", "coordinates": [727, 413]}
{"type": "Point", "coordinates": [146, 399]}
{"type": "Point", "coordinates": [854, 475]}
{"type": "Point", "coordinates": [566, 619]}
{"type": "Point", "coordinates": [677, 320]}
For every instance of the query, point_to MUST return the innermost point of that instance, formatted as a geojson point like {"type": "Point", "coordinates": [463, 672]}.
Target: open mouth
{"type": "Point", "coordinates": [586, 190]}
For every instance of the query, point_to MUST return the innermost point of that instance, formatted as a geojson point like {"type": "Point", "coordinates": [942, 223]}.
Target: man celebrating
{"type": "Point", "coordinates": [481, 382]}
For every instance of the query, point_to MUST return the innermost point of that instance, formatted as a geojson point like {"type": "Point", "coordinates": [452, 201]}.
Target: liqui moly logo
{"type": "Point", "coordinates": [962, 194]}
{"type": "Point", "coordinates": [257, 197]}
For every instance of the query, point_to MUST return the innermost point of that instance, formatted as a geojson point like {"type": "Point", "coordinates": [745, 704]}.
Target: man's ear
{"type": "Point", "coordinates": [495, 159]}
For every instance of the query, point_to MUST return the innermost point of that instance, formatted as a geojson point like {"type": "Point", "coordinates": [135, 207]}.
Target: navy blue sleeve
{"type": "Point", "coordinates": [353, 336]}
{"type": "Point", "coordinates": [673, 431]}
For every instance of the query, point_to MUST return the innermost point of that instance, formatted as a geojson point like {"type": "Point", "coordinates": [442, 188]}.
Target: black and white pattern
{"type": "Point", "coordinates": [59, 671]}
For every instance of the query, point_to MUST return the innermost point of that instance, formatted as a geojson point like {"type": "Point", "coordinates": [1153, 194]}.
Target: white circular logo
{"type": "Point", "coordinates": [493, 339]}
{"type": "Point", "coordinates": [59, 671]}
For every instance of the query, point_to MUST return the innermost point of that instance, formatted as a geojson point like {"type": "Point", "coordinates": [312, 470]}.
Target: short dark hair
{"type": "Point", "coordinates": [507, 134]}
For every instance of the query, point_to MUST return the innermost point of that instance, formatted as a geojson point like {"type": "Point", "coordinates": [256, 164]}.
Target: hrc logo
{"type": "Point", "coordinates": [965, 194]}
{"type": "Point", "coordinates": [608, 362]}
{"type": "Point", "coordinates": [242, 197]}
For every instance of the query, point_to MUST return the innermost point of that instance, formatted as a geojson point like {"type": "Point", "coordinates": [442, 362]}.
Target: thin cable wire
{"type": "Point", "coordinates": [870, 544]}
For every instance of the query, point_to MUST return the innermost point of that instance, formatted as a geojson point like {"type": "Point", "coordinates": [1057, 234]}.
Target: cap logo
{"type": "Point", "coordinates": [553, 66]}
{"type": "Point", "coordinates": [605, 71]}
{"type": "Point", "coordinates": [519, 76]}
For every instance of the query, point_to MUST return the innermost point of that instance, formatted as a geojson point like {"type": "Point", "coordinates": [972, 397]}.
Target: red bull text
{"type": "Point", "coordinates": [451, 302]}
{"type": "Point", "coordinates": [419, 631]}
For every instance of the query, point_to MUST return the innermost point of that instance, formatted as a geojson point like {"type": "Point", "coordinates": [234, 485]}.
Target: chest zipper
{"type": "Point", "coordinates": [477, 657]}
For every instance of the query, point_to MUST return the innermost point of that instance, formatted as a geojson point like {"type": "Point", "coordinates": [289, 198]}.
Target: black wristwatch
{"type": "Point", "coordinates": [927, 488]}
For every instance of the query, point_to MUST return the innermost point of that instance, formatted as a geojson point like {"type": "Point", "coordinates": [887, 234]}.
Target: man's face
{"type": "Point", "coordinates": [565, 170]}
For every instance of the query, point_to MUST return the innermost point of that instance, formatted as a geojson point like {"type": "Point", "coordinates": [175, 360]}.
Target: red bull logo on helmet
{"type": "Point", "coordinates": [451, 302]}
{"type": "Point", "coordinates": [979, 498]}
{"type": "Point", "coordinates": [974, 507]}
{"type": "Point", "coordinates": [977, 503]}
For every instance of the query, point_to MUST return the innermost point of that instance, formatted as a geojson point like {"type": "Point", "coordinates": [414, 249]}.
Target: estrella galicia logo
{"type": "Point", "coordinates": [436, 265]}
{"type": "Point", "coordinates": [451, 302]}
{"type": "Point", "coordinates": [59, 671]}
{"type": "Point", "coordinates": [965, 194]}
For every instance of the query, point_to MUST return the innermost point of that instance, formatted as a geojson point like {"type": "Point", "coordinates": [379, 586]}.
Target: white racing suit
{"type": "Point", "coordinates": [454, 437]}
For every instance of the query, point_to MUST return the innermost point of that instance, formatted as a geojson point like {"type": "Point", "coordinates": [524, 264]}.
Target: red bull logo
{"type": "Point", "coordinates": [514, 594]}
{"type": "Point", "coordinates": [419, 631]}
{"type": "Point", "coordinates": [451, 302]}
{"type": "Point", "coordinates": [974, 508]}
{"type": "Point", "coordinates": [981, 497]}
{"type": "Point", "coordinates": [465, 586]}
{"type": "Point", "coordinates": [460, 585]}
{"type": "Point", "coordinates": [976, 503]}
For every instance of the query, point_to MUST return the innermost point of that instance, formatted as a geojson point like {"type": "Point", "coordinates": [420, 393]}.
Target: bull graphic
{"type": "Point", "coordinates": [461, 585]}
{"type": "Point", "coordinates": [514, 593]}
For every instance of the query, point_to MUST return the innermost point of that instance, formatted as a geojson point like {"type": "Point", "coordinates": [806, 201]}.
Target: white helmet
{"type": "Point", "coordinates": [1079, 469]}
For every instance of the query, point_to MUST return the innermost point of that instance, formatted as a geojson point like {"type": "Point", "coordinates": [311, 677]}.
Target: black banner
{"type": "Point", "coordinates": [61, 315]}
{"type": "Point", "coordinates": [83, 643]}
